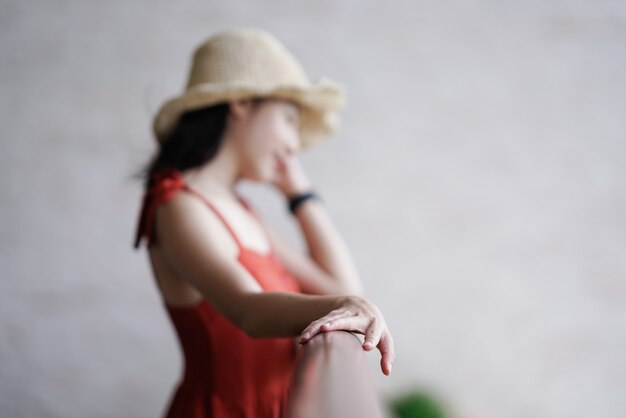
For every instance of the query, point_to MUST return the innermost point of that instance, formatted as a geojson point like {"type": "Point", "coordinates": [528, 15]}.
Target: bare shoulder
{"type": "Point", "coordinates": [185, 220]}
{"type": "Point", "coordinates": [199, 249]}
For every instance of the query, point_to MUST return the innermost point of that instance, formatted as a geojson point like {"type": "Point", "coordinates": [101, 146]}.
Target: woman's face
{"type": "Point", "coordinates": [263, 133]}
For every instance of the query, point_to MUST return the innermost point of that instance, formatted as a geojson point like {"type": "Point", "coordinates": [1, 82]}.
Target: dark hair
{"type": "Point", "coordinates": [194, 141]}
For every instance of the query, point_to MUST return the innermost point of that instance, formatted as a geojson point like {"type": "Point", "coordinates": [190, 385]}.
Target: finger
{"type": "Point", "coordinates": [372, 334]}
{"type": "Point", "coordinates": [315, 327]}
{"type": "Point", "coordinates": [309, 329]}
{"type": "Point", "coordinates": [331, 319]}
{"type": "Point", "coordinates": [347, 323]}
{"type": "Point", "coordinates": [368, 341]}
{"type": "Point", "coordinates": [387, 353]}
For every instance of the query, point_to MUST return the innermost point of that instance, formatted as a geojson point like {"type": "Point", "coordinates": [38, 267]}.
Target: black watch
{"type": "Point", "coordinates": [296, 200]}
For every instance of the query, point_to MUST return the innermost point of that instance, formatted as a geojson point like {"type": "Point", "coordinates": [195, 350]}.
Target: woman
{"type": "Point", "coordinates": [236, 292]}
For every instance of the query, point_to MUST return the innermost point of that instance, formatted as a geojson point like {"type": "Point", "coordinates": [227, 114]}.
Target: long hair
{"type": "Point", "coordinates": [194, 141]}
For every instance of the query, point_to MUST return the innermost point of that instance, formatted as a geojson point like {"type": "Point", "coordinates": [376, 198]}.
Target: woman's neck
{"type": "Point", "coordinates": [217, 178]}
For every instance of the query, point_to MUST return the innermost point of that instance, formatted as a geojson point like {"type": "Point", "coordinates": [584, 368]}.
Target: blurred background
{"type": "Point", "coordinates": [478, 177]}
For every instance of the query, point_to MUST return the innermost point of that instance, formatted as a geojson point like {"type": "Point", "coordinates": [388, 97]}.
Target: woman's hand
{"type": "Point", "coordinates": [361, 316]}
{"type": "Point", "coordinates": [291, 179]}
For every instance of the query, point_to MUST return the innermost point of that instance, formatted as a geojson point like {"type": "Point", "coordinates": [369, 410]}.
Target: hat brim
{"type": "Point", "coordinates": [321, 103]}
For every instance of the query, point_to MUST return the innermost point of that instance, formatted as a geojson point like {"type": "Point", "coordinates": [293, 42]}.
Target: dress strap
{"type": "Point", "coordinates": [165, 184]}
{"type": "Point", "coordinates": [219, 215]}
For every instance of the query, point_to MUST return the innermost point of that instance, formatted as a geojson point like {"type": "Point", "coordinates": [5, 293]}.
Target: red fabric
{"type": "Point", "coordinates": [226, 372]}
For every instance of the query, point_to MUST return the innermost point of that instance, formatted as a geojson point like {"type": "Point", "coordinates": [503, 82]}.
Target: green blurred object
{"type": "Point", "coordinates": [417, 405]}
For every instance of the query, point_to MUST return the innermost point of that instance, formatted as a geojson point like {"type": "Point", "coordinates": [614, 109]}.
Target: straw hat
{"type": "Point", "coordinates": [244, 62]}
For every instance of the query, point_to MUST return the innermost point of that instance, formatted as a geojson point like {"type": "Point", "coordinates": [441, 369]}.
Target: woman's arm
{"type": "Point", "coordinates": [325, 245]}
{"type": "Point", "coordinates": [198, 247]}
{"type": "Point", "coordinates": [311, 278]}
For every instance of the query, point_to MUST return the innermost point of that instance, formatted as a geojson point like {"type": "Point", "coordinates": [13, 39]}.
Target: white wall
{"type": "Point", "coordinates": [478, 178]}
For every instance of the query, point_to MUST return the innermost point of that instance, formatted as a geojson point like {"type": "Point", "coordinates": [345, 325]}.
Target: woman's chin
{"type": "Point", "coordinates": [265, 176]}
{"type": "Point", "coordinates": [273, 174]}
{"type": "Point", "coordinates": [271, 178]}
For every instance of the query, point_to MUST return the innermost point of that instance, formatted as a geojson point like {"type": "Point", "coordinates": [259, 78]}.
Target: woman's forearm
{"type": "Point", "coordinates": [284, 314]}
{"type": "Point", "coordinates": [326, 247]}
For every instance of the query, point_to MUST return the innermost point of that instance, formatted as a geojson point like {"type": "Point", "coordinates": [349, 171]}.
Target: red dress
{"type": "Point", "coordinates": [226, 372]}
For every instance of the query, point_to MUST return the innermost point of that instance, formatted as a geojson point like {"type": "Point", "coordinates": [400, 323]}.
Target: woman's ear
{"type": "Point", "coordinates": [240, 108]}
